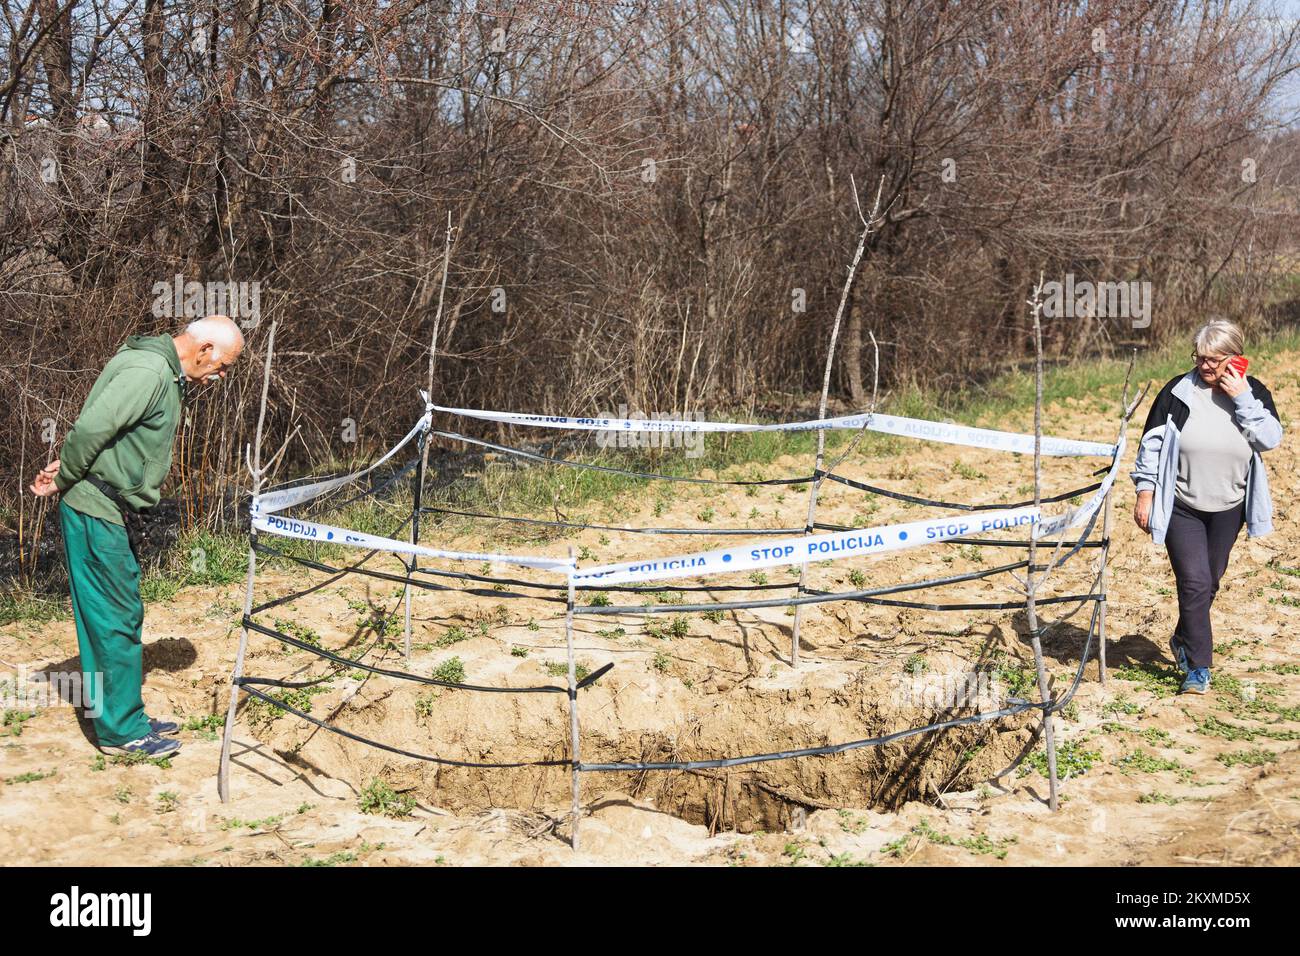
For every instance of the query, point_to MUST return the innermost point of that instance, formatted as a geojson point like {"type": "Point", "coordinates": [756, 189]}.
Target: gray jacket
{"type": "Point", "coordinates": [1156, 467]}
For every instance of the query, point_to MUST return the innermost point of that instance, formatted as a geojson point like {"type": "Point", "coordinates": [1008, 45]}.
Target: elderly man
{"type": "Point", "coordinates": [114, 460]}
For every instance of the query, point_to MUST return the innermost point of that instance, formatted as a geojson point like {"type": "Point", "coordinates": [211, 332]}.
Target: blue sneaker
{"type": "Point", "coordinates": [1197, 681]}
{"type": "Point", "coordinates": [151, 745]}
{"type": "Point", "coordinates": [164, 728]}
{"type": "Point", "coordinates": [1180, 654]}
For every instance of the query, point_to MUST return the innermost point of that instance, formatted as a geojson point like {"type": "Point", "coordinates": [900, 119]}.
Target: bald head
{"type": "Point", "coordinates": [220, 330]}
{"type": "Point", "coordinates": [209, 347]}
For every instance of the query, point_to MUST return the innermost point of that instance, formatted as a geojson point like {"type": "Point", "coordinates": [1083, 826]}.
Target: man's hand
{"type": "Point", "coordinates": [1142, 510]}
{"type": "Point", "coordinates": [43, 486]}
{"type": "Point", "coordinates": [1232, 382]}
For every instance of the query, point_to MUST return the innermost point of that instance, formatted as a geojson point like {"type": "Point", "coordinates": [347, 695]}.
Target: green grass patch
{"type": "Point", "coordinates": [1213, 726]}
{"type": "Point", "coordinates": [17, 605]}
{"type": "Point", "coordinates": [268, 823]}
{"type": "Point", "coordinates": [1017, 679]}
{"type": "Point", "coordinates": [1280, 668]}
{"type": "Point", "coordinates": [561, 669]}
{"type": "Point", "coordinates": [980, 844]}
{"type": "Point", "coordinates": [452, 671]}
{"type": "Point", "coordinates": [453, 635]}
{"type": "Point", "coordinates": [259, 712]}
{"type": "Point", "coordinates": [1121, 705]}
{"type": "Point", "coordinates": [30, 777]}
{"type": "Point", "coordinates": [1072, 760]}
{"type": "Point", "coordinates": [205, 722]}
{"type": "Point", "coordinates": [1160, 680]}
{"type": "Point", "coordinates": [136, 759]}
{"type": "Point", "coordinates": [379, 799]}
{"type": "Point", "coordinates": [301, 632]}
{"type": "Point", "coordinates": [1152, 735]}
{"type": "Point", "coordinates": [1139, 761]}
{"type": "Point", "coordinates": [1155, 796]}
{"type": "Point", "coordinates": [1247, 758]}
{"type": "Point", "coordinates": [14, 720]}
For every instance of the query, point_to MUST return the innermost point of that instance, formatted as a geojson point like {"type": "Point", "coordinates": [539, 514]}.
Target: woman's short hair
{"type": "Point", "coordinates": [1219, 337]}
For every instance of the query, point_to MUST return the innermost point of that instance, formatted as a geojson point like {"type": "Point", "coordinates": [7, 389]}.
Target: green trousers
{"type": "Point", "coordinates": [105, 582]}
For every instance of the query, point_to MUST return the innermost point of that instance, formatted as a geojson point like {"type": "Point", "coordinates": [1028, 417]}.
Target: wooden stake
{"type": "Point", "coordinates": [1101, 585]}
{"type": "Point", "coordinates": [255, 468]}
{"type": "Point", "coordinates": [422, 468]}
{"type": "Point", "coordinates": [417, 499]}
{"type": "Point", "coordinates": [868, 226]}
{"type": "Point", "coordinates": [576, 811]}
{"type": "Point", "coordinates": [437, 323]}
{"type": "Point", "coordinates": [1031, 582]}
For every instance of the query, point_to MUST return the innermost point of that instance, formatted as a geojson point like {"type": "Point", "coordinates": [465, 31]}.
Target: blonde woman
{"type": "Point", "coordinates": [1199, 477]}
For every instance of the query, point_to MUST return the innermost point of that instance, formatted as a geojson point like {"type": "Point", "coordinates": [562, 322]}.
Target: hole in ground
{"type": "Point", "coordinates": [648, 720]}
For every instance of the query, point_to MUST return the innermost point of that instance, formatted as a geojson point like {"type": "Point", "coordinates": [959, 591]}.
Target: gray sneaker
{"type": "Point", "coordinates": [151, 745]}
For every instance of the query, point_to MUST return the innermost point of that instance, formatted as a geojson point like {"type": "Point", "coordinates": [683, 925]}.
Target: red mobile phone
{"type": "Point", "coordinates": [1239, 363]}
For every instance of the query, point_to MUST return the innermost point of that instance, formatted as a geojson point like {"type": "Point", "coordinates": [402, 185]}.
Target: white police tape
{"type": "Point", "coordinates": [817, 547]}
{"type": "Point", "coordinates": [327, 534]}
{"type": "Point", "coordinates": [765, 554]}
{"type": "Point", "coordinates": [847, 544]}
{"type": "Point", "coordinates": [274, 501]}
{"type": "Point", "coordinates": [1077, 516]}
{"type": "Point", "coordinates": [983, 437]}
{"type": "Point", "coordinates": [889, 424]}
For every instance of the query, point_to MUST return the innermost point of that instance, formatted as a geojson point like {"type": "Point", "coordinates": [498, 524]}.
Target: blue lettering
{"type": "Point", "coordinates": [947, 531]}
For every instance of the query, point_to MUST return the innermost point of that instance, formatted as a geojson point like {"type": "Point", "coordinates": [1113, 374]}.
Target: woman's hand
{"type": "Point", "coordinates": [1232, 382]}
{"type": "Point", "coordinates": [1142, 510]}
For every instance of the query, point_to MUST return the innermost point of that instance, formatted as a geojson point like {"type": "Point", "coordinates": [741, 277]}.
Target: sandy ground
{"type": "Point", "coordinates": [1151, 777]}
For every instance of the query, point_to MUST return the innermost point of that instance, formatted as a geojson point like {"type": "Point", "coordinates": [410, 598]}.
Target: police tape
{"type": "Point", "coordinates": [1072, 519]}
{"type": "Point", "coordinates": [279, 500]}
{"type": "Point", "coordinates": [839, 544]}
{"type": "Point", "coordinates": [953, 434]}
{"type": "Point", "coordinates": [794, 550]}
{"type": "Point", "coordinates": [327, 534]}
{"type": "Point", "coordinates": [847, 544]}
{"type": "Point", "coordinates": [946, 432]}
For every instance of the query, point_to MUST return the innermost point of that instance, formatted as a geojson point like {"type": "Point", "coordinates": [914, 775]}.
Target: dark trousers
{"type": "Point", "coordinates": [1199, 543]}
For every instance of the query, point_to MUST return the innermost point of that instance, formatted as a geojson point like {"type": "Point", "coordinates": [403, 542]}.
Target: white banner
{"type": "Point", "coordinates": [847, 544]}
{"type": "Point", "coordinates": [326, 534]}
{"type": "Point", "coordinates": [813, 547]}
{"type": "Point", "coordinates": [984, 437]}
{"type": "Point", "coordinates": [274, 501]}
{"type": "Point", "coordinates": [746, 557]}
{"type": "Point", "coordinates": [1077, 516]}
{"type": "Point", "coordinates": [889, 424]}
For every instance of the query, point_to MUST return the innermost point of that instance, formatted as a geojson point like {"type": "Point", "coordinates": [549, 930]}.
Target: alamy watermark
{"type": "Point", "coordinates": [947, 690]}
{"type": "Point", "coordinates": [75, 908]}
{"type": "Point", "coordinates": [242, 301]}
{"type": "Point", "coordinates": [24, 691]}
{"type": "Point", "coordinates": [1084, 299]}
{"type": "Point", "coordinates": [661, 430]}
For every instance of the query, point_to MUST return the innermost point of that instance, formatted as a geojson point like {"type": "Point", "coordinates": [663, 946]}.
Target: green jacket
{"type": "Point", "coordinates": [124, 433]}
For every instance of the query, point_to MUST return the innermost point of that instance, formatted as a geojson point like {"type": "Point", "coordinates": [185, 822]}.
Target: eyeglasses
{"type": "Point", "coordinates": [1210, 360]}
